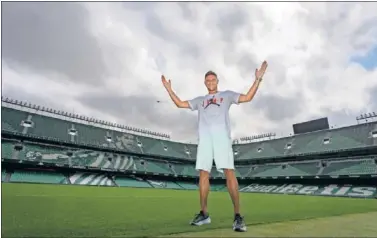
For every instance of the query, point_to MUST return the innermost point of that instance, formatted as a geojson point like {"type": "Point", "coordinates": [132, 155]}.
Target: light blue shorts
{"type": "Point", "coordinates": [216, 148]}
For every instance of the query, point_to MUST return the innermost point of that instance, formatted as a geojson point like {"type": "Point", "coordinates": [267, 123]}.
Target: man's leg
{"type": "Point", "coordinates": [232, 185]}
{"type": "Point", "coordinates": [204, 159]}
{"type": "Point", "coordinates": [224, 160]}
{"type": "Point", "coordinates": [203, 189]}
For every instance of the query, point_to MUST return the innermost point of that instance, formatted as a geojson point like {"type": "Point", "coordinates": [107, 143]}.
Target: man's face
{"type": "Point", "coordinates": [211, 82]}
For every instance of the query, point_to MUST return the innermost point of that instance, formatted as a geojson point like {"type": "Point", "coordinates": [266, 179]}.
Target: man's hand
{"type": "Point", "coordinates": [260, 72]}
{"type": "Point", "coordinates": [258, 78]}
{"type": "Point", "coordinates": [167, 84]}
{"type": "Point", "coordinates": [177, 101]}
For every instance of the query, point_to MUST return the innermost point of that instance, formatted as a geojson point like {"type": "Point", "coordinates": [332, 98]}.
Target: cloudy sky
{"type": "Point", "coordinates": [105, 60]}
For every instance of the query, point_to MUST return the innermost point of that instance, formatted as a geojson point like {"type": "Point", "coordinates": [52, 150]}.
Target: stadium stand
{"type": "Point", "coordinates": [24, 122]}
{"type": "Point", "coordinates": [31, 123]}
{"type": "Point", "coordinates": [355, 136]}
{"type": "Point", "coordinates": [94, 159]}
{"type": "Point", "coordinates": [351, 167]}
{"type": "Point", "coordinates": [129, 182]}
{"type": "Point", "coordinates": [45, 146]}
{"type": "Point", "coordinates": [90, 179]}
{"type": "Point", "coordinates": [37, 177]}
{"type": "Point", "coordinates": [3, 175]}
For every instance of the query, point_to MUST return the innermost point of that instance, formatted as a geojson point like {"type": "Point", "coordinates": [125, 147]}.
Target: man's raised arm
{"type": "Point", "coordinates": [177, 101]}
{"type": "Point", "coordinates": [254, 88]}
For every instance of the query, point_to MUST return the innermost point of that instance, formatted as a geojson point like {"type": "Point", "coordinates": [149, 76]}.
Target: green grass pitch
{"type": "Point", "coordinates": [31, 210]}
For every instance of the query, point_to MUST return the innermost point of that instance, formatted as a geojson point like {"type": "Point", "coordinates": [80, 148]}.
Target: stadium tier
{"type": "Point", "coordinates": [47, 124]}
{"type": "Point", "coordinates": [91, 159]}
{"type": "Point", "coordinates": [37, 177]}
{"type": "Point", "coordinates": [78, 158]}
{"type": "Point", "coordinates": [356, 136]}
{"type": "Point", "coordinates": [95, 179]}
{"type": "Point", "coordinates": [48, 147]}
{"type": "Point", "coordinates": [44, 126]}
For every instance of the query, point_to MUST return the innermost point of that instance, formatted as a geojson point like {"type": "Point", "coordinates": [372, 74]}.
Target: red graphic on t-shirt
{"type": "Point", "coordinates": [213, 101]}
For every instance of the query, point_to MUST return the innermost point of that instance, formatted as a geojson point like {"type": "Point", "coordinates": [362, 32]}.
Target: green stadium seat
{"type": "Point", "coordinates": [130, 182]}
{"type": "Point", "coordinates": [13, 118]}
{"type": "Point", "coordinates": [3, 175]}
{"type": "Point", "coordinates": [7, 149]}
{"type": "Point", "coordinates": [280, 171]}
{"type": "Point", "coordinates": [178, 168]}
{"type": "Point", "coordinates": [158, 167]}
{"type": "Point", "coordinates": [308, 168]}
{"type": "Point", "coordinates": [46, 154]}
{"type": "Point", "coordinates": [261, 169]}
{"type": "Point", "coordinates": [37, 177]}
{"type": "Point", "coordinates": [178, 148]}
{"type": "Point", "coordinates": [94, 179]}
{"type": "Point", "coordinates": [152, 146]}
{"type": "Point", "coordinates": [164, 184]}
{"type": "Point", "coordinates": [172, 185]}
{"type": "Point", "coordinates": [49, 127]}
{"type": "Point", "coordinates": [190, 170]}
{"type": "Point", "coordinates": [191, 151]}
{"type": "Point", "coordinates": [216, 173]}
{"type": "Point", "coordinates": [357, 135]}
{"type": "Point", "coordinates": [139, 166]}
{"type": "Point", "coordinates": [306, 143]}
{"type": "Point", "coordinates": [243, 170]}
{"type": "Point", "coordinates": [217, 187]}
{"type": "Point", "coordinates": [189, 186]}
{"type": "Point", "coordinates": [7, 127]}
{"type": "Point", "coordinates": [350, 167]}
{"type": "Point", "coordinates": [125, 141]}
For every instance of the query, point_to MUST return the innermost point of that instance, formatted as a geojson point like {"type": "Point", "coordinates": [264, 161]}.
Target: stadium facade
{"type": "Point", "coordinates": [42, 145]}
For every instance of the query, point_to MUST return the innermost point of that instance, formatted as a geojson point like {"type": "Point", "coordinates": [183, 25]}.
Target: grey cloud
{"type": "Point", "coordinates": [243, 61]}
{"type": "Point", "coordinates": [302, 46]}
{"type": "Point", "coordinates": [319, 63]}
{"type": "Point", "coordinates": [140, 6]}
{"type": "Point", "coordinates": [318, 66]}
{"type": "Point", "coordinates": [231, 21]}
{"type": "Point", "coordinates": [160, 62]}
{"type": "Point", "coordinates": [278, 108]}
{"type": "Point", "coordinates": [275, 65]}
{"type": "Point", "coordinates": [227, 23]}
{"type": "Point", "coordinates": [246, 65]}
{"type": "Point", "coordinates": [338, 118]}
{"type": "Point", "coordinates": [148, 7]}
{"type": "Point", "coordinates": [155, 26]}
{"type": "Point", "coordinates": [186, 11]}
{"type": "Point", "coordinates": [187, 48]}
{"type": "Point", "coordinates": [51, 36]}
{"type": "Point", "coordinates": [143, 110]}
{"type": "Point", "coordinates": [368, 28]}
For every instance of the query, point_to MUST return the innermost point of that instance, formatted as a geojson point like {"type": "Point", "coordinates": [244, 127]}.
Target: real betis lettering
{"type": "Point", "coordinates": [329, 190]}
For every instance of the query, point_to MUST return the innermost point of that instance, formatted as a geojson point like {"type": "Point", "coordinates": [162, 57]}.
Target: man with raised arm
{"type": "Point", "coordinates": [215, 141]}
